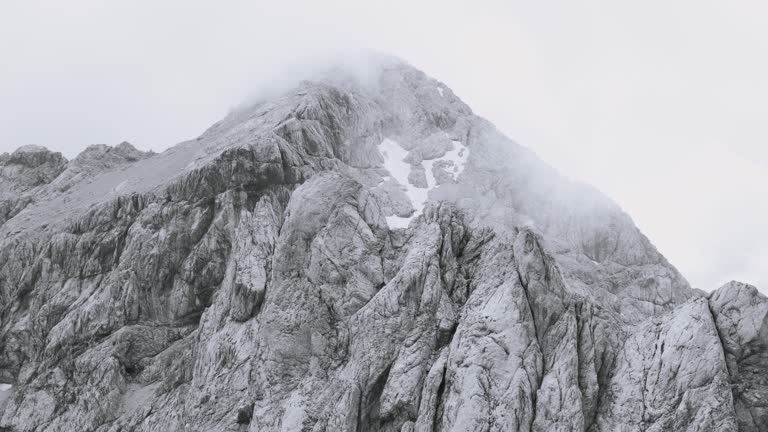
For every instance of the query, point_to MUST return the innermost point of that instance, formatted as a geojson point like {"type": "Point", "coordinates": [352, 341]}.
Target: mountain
{"type": "Point", "coordinates": [358, 253]}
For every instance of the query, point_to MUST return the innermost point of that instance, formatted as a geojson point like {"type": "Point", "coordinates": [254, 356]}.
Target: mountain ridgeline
{"type": "Point", "coordinates": [352, 255]}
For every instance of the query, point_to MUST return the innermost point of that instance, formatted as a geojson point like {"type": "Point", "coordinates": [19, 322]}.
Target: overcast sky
{"type": "Point", "coordinates": [659, 104]}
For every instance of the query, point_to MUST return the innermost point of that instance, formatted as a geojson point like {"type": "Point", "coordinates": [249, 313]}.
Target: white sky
{"type": "Point", "coordinates": [660, 104]}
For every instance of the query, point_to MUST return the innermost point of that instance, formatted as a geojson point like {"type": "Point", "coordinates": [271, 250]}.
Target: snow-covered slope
{"type": "Point", "coordinates": [352, 255]}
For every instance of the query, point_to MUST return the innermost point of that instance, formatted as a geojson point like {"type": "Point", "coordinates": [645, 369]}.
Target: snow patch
{"type": "Point", "coordinates": [456, 158]}
{"type": "Point", "coordinates": [294, 414]}
{"type": "Point", "coordinates": [397, 221]}
{"type": "Point", "coordinates": [136, 397]}
{"type": "Point", "coordinates": [394, 156]}
{"type": "Point", "coordinates": [440, 90]}
{"type": "Point", "coordinates": [5, 391]}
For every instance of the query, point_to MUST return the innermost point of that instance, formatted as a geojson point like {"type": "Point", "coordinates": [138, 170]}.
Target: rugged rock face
{"type": "Point", "coordinates": [741, 315]}
{"type": "Point", "coordinates": [23, 172]}
{"type": "Point", "coordinates": [34, 173]}
{"type": "Point", "coordinates": [354, 255]}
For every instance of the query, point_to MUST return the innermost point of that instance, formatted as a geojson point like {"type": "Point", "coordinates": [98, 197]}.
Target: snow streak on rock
{"type": "Point", "coordinates": [399, 171]}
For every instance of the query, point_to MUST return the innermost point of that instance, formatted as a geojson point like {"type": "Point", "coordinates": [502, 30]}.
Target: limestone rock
{"type": "Point", "coordinates": [741, 315]}
{"type": "Point", "coordinates": [280, 273]}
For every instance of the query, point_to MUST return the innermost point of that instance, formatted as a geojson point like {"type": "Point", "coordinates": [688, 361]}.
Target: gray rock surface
{"type": "Point", "coordinates": [281, 273]}
{"type": "Point", "coordinates": [24, 172]}
{"type": "Point", "coordinates": [741, 315]}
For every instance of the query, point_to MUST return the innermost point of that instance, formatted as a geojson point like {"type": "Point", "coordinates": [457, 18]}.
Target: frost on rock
{"type": "Point", "coordinates": [254, 279]}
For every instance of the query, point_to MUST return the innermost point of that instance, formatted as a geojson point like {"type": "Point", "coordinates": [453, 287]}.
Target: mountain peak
{"type": "Point", "coordinates": [125, 151]}
{"type": "Point", "coordinates": [410, 141]}
{"type": "Point", "coordinates": [353, 254]}
{"type": "Point", "coordinates": [31, 148]}
{"type": "Point", "coordinates": [32, 156]}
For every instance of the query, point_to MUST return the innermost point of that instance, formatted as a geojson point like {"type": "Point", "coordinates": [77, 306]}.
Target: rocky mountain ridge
{"type": "Point", "coordinates": [353, 256]}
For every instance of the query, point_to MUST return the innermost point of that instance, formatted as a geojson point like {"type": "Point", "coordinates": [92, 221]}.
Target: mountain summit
{"type": "Point", "coordinates": [358, 253]}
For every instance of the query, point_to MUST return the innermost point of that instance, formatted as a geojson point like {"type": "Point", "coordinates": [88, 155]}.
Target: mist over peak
{"type": "Point", "coordinates": [358, 67]}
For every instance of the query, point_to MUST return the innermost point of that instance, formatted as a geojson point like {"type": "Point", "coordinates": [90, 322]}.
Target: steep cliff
{"type": "Point", "coordinates": [353, 255]}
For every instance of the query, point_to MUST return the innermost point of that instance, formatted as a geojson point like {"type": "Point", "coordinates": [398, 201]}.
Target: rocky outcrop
{"type": "Point", "coordinates": [741, 315]}
{"type": "Point", "coordinates": [26, 170]}
{"type": "Point", "coordinates": [285, 272]}
{"type": "Point", "coordinates": [34, 173]}
{"type": "Point", "coordinates": [670, 375]}
{"type": "Point", "coordinates": [95, 160]}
